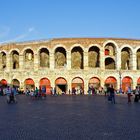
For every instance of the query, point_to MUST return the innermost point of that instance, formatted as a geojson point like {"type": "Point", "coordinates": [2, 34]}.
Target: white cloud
{"type": "Point", "coordinates": [31, 29]}
{"type": "Point", "coordinates": [21, 36]}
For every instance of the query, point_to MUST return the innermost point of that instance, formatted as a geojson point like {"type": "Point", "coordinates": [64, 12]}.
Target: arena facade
{"type": "Point", "coordinates": [68, 63]}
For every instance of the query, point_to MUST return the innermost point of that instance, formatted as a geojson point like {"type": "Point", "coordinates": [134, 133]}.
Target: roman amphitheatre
{"type": "Point", "coordinates": [67, 63]}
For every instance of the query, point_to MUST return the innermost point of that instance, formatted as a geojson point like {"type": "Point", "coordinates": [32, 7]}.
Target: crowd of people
{"type": "Point", "coordinates": [109, 92]}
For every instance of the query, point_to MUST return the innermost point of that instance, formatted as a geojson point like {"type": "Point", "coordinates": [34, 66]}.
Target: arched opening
{"type": "Point", "coordinates": [111, 81]}
{"type": "Point", "coordinates": [29, 59]}
{"type": "Point", "coordinates": [94, 57]}
{"type": "Point", "coordinates": [15, 83]}
{"type": "Point", "coordinates": [77, 85]}
{"type": "Point", "coordinates": [126, 58]}
{"type": "Point", "coordinates": [138, 82]}
{"type": "Point", "coordinates": [138, 59]}
{"type": "Point", "coordinates": [109, 63]}
{"type": "Point", "coordinates": [60, 57]}
{"type": "Point", "coordinates": [15, 59]}
{"type": "Point", "coordinates": [94, 82]}
{"type": "Point", "coordinates": [2, 60]}
{"type": "Point", "coordinates": [44, 58]}
{"type": "Point", "coordinates": [29, 83]}
{"type": "Point", "coordinates": [77, 58]}
{"type": "Point", "coordinates": [126, 82]}
{"type": "Point", "coordinates": [110, 49]}
{"type": "Point", "coordinates": [61, 85]}
{"type": "Point", "coordinates": [3, 83]}
{"type": "Point", "coordinates": [45, 82]}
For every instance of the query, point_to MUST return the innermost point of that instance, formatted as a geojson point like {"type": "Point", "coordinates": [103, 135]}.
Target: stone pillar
{"type": "Point", "coordinates": [102, 82]}
{"type": "Point", "coordinates": [118, 60]}
{"type": "Point", "coordinates": [36, 83]}
{"type": "Point", "coordinates": [68, 60]}
{"type": "Point", "coordinates": [86, 86]}
{"type": "Point", "coordinates": [102, 59]}
{"type": "Point", "coordinates": [1, 67]}
{"type": "Point", "coordinates": [134, 83]}
{"type": "Point", "coordinates": [22, 85]}
{"type": "Point", "coordinates": [8, 68]}
{"type": "Point", "coordinates": [21, 62]}
{"type": "Point", "coordinates": [52, 61]}
{"type": "Point", "coordinates": [69, 87]}
{"type": "Point", "coordinates": [134, 62]}
{"type": "Point", "coordinates": [85, 59]}
{"type": "Point", "coordinates": [36, 62]}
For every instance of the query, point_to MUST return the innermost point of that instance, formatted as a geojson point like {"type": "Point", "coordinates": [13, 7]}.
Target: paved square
{"type": "Point", "coordinates": [69, 118]}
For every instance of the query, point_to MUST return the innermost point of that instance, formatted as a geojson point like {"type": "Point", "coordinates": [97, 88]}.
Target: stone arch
{"type": "Point", "coordinates": [111, 80]}
{"type": "Point", "coordinates": [110, 49]}
{"type": "Point", "coordinates": [60, 57]}
{"type": "Point", "coordinates": [126, 58]}
{"type": "Point", "coordinates": [14, 59]}
{"type": "Point", "coordinates": [94, 82]}
{"type": "Point", "coordinates": [94, 57]}
{"type": "Point", "coordinates": [127, 82]}
{"type": "Point", "coordinates": [77, 45]}
{"type": "Point", "coordinates": [27, 48]}
{"type": "Point", "coordinates": [44, 57]}
{"type": "Point", "coordinates": [77, 85]}
{"type": "Point", "coordinates": [15, 83]}
{"type": "Point", "coordinates": [109, 63]}
{"type": "Point", "coordinates": [41, 47]}
{"type": "Point", "coordinates": [77, 58]}
{"type": "Point", "coordinates": [14, 49]}
{"type": "Point", "coordinates": [138, 59]}
{"type": "Point", "coordinates": [29, 58]}
{"type": "Point", "coordinates": [29, 83]}
{"type": "Point", "coordinates": [112, 42]}
{"type": "Point", "coordinates": [2, 60]}
{"type": "Point", "coordinates": [61, 85]}
{"type": "Point", "coordinates": [59, 46]}
{"type": "Point", "coordinates": [45, 82]}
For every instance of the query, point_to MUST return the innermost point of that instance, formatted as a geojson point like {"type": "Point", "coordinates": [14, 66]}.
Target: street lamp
{"type": "Point", "coordinates": [120, 76]}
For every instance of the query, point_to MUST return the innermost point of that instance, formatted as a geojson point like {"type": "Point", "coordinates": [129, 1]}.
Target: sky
{"type": "Point", "coordinates": [25, 20]}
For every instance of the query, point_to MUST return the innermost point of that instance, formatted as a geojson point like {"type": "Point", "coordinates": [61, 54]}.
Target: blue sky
{"type": "Point", "coordinates": [22, 20]}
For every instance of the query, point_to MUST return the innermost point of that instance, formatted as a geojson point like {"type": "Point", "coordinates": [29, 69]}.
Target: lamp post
{"type": "Point", "coordinates": [120, 76]}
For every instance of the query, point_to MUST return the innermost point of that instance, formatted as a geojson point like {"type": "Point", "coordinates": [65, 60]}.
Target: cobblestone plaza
{"type": "Point", "coordinates": [69, 118]}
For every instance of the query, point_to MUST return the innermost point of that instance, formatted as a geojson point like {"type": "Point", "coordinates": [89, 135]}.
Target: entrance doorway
{"type": "Point", "coordinates": [29, 83]}
{"type": "Point", "coordinates": [126, 82]}
{"type": "Point", "coordinates": [94, 82]}
{"type": "Point", "coordinates": [61, 85]}
{"type": "Point", "coordinates": [77, 86]}
{"type": "Point", "coordinates": [45, 82]}
{"type": "Point", "coordinates": [111, 81]}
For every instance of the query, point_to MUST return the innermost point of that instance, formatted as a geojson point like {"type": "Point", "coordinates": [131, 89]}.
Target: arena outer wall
{"type": "Point", "coordinates": [110, 62]}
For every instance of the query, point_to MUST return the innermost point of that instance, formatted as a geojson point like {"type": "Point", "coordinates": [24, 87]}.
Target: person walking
{"type": "Point", "coordinates": [111, 94]}
{"type": "Point", "coordinates": [129, 94]}
{"type": "Point", "coordinates": [136, 99]}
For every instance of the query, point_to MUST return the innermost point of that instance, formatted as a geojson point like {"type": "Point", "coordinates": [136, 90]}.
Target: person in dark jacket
{"type": "Point", "coordinates": [111, 93]}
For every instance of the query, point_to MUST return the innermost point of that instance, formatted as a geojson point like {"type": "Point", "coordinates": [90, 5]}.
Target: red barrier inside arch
{"type": "Point", "coordinates": [60, 81]}
{"type": "Point", "coordinates": [111, 81]}
{"type": "Point", "coordinates": [3, 82]}
{"type": "Point", "coordinates": [138, 81]}
{"type": "Point", "coordinates": [29, 83]}
{"type": "Point", "coordinates": [46, 83]}
{"type": "Point", "coordinates": [126, 82]}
